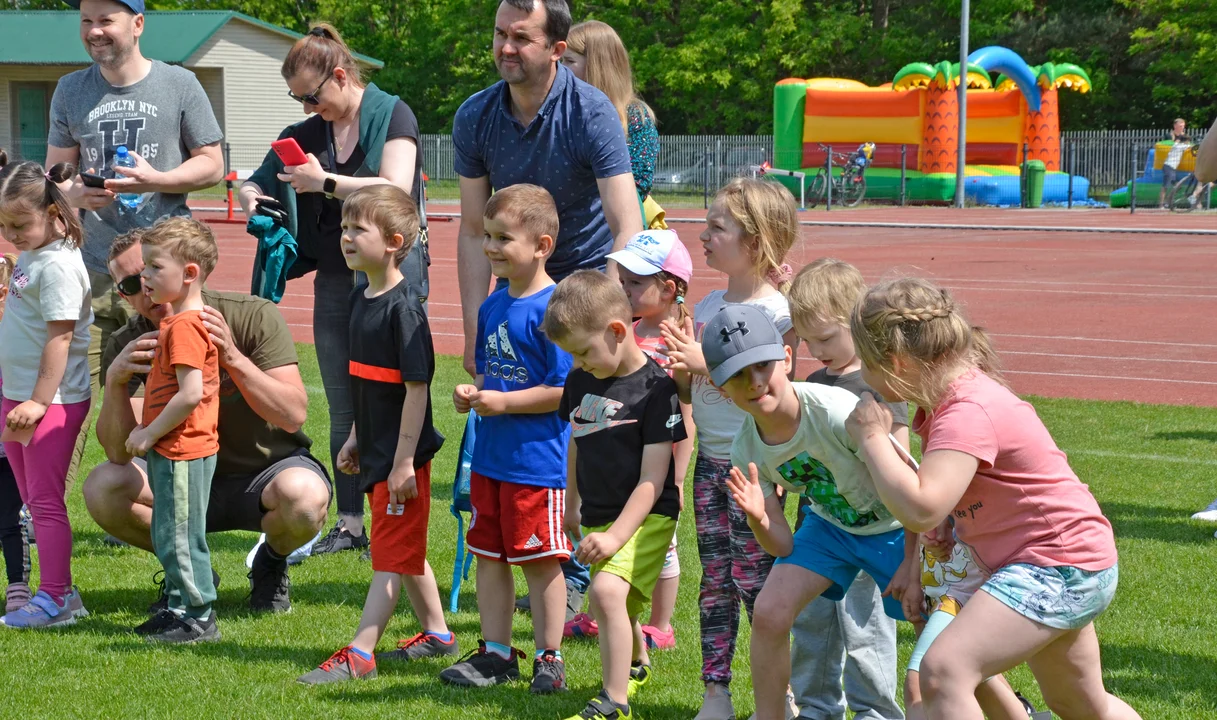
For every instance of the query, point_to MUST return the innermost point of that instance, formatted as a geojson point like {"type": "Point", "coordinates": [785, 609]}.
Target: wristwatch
{"type": "Point", "coordinates": [329, 186]}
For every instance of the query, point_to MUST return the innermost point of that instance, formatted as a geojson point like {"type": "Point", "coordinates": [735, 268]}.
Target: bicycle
{"type": "Point", "coordinates": [848, 188]}
{"type": "Point", "coordinates": [1183, 196]}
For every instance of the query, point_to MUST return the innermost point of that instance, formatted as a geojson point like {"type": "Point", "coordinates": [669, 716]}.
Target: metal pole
{"type": "Point", "coordinates": [1022, 179]}
{"type": "Point", "coordinates": [903, 160]}
{"type": "Point", "coordinates": [1132, 186]}
{"type": "Point", "coordinates": [706, 182]}
{"type": "Point", "coordinates": [1070, 151]}
{"type": "Point", "coordinates": [718, 164]}
{"type": "Point", "coordinates": [828, 189]}
{"type": "Point", "coordinates": [965, 11]}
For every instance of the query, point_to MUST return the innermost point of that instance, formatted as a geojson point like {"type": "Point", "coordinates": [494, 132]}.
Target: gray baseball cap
{"type": "Point", "coordinates": [739, 336]}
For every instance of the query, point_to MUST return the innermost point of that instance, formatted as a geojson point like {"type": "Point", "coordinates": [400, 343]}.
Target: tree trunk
{"type": "Point", "coordinates": [879, 14]}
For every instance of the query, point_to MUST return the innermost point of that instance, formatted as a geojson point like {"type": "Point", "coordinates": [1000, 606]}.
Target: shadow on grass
{"type": "Point", "coordinates": [1172, 677]}
{"type": "Point", "coordinates": [1149, 522]}
{"type": "Point", "coordinates": [1206, 435]}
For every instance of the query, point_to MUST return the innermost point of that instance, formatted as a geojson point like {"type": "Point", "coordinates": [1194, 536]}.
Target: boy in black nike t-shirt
{"type": "Point", "coordinates": [622, 507]}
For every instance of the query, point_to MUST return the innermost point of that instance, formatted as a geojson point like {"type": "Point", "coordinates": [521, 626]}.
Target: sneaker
{"type": "Point", "coordinates": [581, 626]}
{"type": "Point", "coordinates": [482, 668]}
{"type": "Point", "coordinates": [342, 666]}
{"type": "Point", "coordinates": [421, 645]}
{"type": "Point", "coordinates": [156, 624]}
{"type": "Point", "coordinates": [1209, 514]}
{"type": "Point", "coordinates": [113, 541]}
{"type": "Point", "coordinates": [1032, 713]}
{"type": "Point", "coordinates": [658, 639]}
{"type": "Point", "coordinates": [42, 612]}
{"type": "Point", "coordinates": [186, 630]}
{"type": "Point", "coordinates": [339, 539]}
{"type": "Point", "coordinates": [717, 706]}
{"type": "Point", "coordinates": [574, 602]}
{"type": "Point", "coordinates": [524, 605]}
{"type": "Point", "coordinates": [162, 596]}
{"type": "Point", "coordinates": [639, 675]}
{"type": "Point", "coordinates": [792, 710]}
{"type": "Point", "coordinates": [269, 585]}
{"type": "Point", "coordinates": [1192, 201]}
{"type": "Point", "coordinates": [602, 708]}
{"type": "Point", "coordinates": [16, 596]}
{"type": "Point", "coordinates": [548, 674]}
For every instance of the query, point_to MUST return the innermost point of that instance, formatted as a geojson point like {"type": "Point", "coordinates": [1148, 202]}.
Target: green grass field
{"type": "Point", "coordinates": [1150, 466]}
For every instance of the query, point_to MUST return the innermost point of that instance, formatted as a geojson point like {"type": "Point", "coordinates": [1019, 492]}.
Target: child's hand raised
{"type": "Point", "coordinates": [868, 417]}
{"type": "Point", "coordinates": [684, 352]}
{"type": "Point", "coordinates": [461, 396]}
{"type": "Point", "coordinates": [747, 491]}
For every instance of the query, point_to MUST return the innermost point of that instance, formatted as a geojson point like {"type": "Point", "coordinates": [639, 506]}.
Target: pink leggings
{"type": "Point", "coordinates": [41, 469]}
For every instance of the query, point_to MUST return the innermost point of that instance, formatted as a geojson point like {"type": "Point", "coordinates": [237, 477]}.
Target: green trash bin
{"type": "Point", "coordinates": [1035, 172]}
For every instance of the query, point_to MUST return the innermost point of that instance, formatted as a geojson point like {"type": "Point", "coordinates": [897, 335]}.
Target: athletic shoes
{"type": "Point", "coordinates": [639, 675]}
{"type": "Point", "coordinates": [524, 605]}
{"type": "Point", "coordinates": [43, 612]}
{"type": "Point", "coordinates": [421, 645]}
{"type": "Point", "coordinates": [162, 596]}
{"type": "Point", "coordinates": [658, 639]}
{"type": "Point", "coordinates": [186, 630]}
{"type": "Point", "coordinates": [342, 666]}
{"type": "Point", "coordinates": [482, 668]}
{"type": "Point", "coordinates": [156, 624]}
{"type": "Point", "coordinates": [548, 674]}
{"type": "Point", "coordinates": [1209, 514]}
{"type": "Point", "coordinates": [581, 626]}
{"type": "Point", "coordinates": [602, 708]}
{"type": "Point", "coordinates": [269, 586]}
{"type": "Point", "coordinates": [16, 596]}
{"type": "Point", "coordinates": [339, 539]}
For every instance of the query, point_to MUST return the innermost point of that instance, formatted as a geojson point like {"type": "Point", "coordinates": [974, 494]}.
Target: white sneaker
{"type": "Point", "coordinates": [717, 706]}
{"type": "Point", "coordinates": [1209, 514]}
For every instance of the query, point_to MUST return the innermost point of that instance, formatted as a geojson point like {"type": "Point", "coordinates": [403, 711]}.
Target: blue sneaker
{"type": "Point", "coordinates": [42, 611]}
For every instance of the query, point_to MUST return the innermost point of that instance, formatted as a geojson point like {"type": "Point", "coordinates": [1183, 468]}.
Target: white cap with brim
{"type": "Point", "coordinates": [739, 336]}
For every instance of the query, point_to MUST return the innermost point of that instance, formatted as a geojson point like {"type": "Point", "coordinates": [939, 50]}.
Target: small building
{"type": "Point", "coordinates": [235, 57]}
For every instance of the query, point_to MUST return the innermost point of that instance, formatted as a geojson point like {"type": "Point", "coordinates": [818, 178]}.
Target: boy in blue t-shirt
{"type": "Point", "coordinates": [518, 478]}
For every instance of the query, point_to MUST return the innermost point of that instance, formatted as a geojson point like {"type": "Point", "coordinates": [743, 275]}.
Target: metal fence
{"type": "Point", "coordinates": [1108, 158]}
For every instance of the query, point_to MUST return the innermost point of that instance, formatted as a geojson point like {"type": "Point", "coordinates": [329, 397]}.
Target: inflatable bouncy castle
{"type": "Point", "coordinates": [914, 121]}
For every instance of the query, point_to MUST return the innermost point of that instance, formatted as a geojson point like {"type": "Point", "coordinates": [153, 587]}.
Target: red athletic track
{"type": "Point", "coordinates": [1105, 316]}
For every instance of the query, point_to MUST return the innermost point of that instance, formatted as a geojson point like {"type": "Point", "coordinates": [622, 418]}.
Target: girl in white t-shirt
{"type": "Point", "coordinates": [750, 228]}
{"type": "Point", "coordinates": [44, 343]}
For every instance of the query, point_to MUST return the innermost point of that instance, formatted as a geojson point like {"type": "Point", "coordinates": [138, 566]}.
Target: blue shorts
{"type": "Point", "coordinates": [826, 550]}
{"type": "Point", "coordinates": [1064, 598]}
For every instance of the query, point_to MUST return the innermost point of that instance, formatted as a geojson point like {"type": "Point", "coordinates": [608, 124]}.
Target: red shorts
{"type": "Point", "coordinates": [516, 524]}
{"type": "Point", "coordinates": [399, 542]}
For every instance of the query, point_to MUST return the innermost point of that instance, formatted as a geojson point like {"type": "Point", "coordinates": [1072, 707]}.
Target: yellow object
{"type": "Point", "coordinates": [1187, 163]}
{"type": "Point", "coordinates": [895, 130]}
{"type": "Point", "coordinates": [836, 84]}
{"type": "Point", "coordinates": [655, 214]}
{"type": "Point", "coordinates": [1008, 129]}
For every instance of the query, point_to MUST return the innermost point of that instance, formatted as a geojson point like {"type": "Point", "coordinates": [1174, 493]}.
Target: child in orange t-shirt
{"type": "Point", "coordinates": [179, 433]}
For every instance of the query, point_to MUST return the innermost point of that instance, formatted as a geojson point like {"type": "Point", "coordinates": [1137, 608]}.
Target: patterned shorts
{"type": "Point", "coordinates": [1064, 598]}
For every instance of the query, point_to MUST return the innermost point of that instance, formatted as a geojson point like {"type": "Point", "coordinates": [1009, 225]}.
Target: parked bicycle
{"type": "Point", "coordinates": [849, 187]}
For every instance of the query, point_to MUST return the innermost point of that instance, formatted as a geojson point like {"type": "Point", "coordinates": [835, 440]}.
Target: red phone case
{"type": "Point", "coordinates": [289, 152]}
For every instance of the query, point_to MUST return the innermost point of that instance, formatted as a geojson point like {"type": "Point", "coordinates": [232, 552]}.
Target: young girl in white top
{"type": "Point", "coordinates": [44, 341]}
{"type": "Point", "coordinates": [750, 228]}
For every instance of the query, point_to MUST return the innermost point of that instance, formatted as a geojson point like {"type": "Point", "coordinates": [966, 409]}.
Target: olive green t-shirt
{"type": "Point", "coordinates": [248, 444]}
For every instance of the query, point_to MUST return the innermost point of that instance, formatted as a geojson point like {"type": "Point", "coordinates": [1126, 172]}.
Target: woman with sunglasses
{"type": "Point", "coordinates": [356, 135]}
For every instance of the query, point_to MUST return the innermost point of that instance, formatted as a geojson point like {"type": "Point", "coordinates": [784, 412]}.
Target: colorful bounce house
{"type": "Point", "coordinates": [919, 112]}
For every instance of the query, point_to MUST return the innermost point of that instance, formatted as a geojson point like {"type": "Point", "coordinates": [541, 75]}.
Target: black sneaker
{"type": "Point", "coordinates": [548, 674]}
{"type": "Point", "coordinates": [339, 539]}
{"type": "Point", "coordinates": [114, 542]}
{"type": "Point", "coordinates": [269, 585]}
{"type": "Point", "coordinates": [524, 605]}
{"type": "Point", "coordinates": [574, 602]}
{"type": "Point", "coordinates": [481, 668]}
{"type": "Point", "coordinates": [421, 645]}
{"type": "Point", "coordinates": [1032, 713]}
{"type": "Point", "coordinates": [155, 624]}
{"type": "Point", "coordinates": [186, 630]}
{"type": "Point", "coordinates": [162, 597]}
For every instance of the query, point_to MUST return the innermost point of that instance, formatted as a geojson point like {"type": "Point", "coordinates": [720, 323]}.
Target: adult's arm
{"type": "Point", "coordinates": [1206, 157]}
{"type": "Point", "coordinates": [620, 202]}
{"type": "Point", "coordinates": [117, 418]}
{"type": "Point", "coordinates": [204, 168]}
{"type": "Point", "coordinates": [396, 168]}
{"type": "Point", "coordinates": [472, 267]}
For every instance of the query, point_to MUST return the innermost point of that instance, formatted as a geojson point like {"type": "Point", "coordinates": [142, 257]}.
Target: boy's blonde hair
{"type": "Point", "coordinates": [391, 210]}
{"type": "Point", "coordinates": [921, 323]}
{"type": "Point", "coordinates": [529, 205]}
{"type": "Point", "coordinates": [608, 66]}
{"type": "Point", "coordinates": [769, 217]}
{"type": "Point", "coordinates": [186, 240]}
{"type": "Point", "coordinates": [826, 291]}
{"type": "Point", "coordinates": [586, 301]}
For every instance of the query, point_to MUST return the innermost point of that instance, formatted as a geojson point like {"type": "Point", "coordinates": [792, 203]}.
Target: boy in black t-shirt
{"type": "Point", "coordinates": [393, 440]}
{"type": "Point", "coordinates": [621, 510]}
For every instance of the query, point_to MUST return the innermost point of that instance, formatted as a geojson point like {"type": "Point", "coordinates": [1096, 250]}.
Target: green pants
{"type": "Point", "coordinates": [180, 490]}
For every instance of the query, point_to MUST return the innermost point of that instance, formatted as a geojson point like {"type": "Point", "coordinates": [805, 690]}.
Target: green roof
{"type": "Point", "coordinates": [52, 37]}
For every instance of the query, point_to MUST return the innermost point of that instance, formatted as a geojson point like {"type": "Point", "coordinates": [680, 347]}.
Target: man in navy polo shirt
{"type": "Point", "coordinates": [541, 125]}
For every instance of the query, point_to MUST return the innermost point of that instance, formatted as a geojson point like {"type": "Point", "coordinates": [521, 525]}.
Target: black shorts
{"type": "Point", "coordinates": [236, 500]}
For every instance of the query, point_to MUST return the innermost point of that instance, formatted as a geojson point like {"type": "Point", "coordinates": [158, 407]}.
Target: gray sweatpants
{"type": "Point", "coordinates": [853, 638]}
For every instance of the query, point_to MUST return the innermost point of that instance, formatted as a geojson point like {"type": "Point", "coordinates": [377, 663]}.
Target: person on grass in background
{"type": "Point", "coordinates": [393, 440]}
{"type": "Point", "coordinates": [265, 479]}
{"type": "Point", "coordinates": [655, 270]}
{"type": "Point", "coordinates": [622, 502]}
{"type": "Point", "coordinates": [160, 113]}
{"type": "Point", "coordinates": [14, 544]}
{"type": "Point", "coordinates": [750, 227]}
{"type": "Point", "coordinates": [44, 343]}
{"type": "Point", "coordinates": [178, 436]}
{"type": "Point", "coordinates": [848, 640]}
{"type": "Point", "coordinates": [355, 136]}
{"type": "Point", "coordinates": [990, 464]}
{"type": "Point", "coordinates": [518, 471]}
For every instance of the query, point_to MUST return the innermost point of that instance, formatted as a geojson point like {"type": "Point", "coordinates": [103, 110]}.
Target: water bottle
{"type": "Point", "coordinates": [122, 158]}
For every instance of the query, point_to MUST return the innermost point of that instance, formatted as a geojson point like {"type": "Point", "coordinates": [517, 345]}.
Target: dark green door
{"type": "Point", "coordinates": [33, 115]}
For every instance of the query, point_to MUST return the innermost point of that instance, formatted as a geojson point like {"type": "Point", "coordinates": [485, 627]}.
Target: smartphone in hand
{"type": "Point", "coordinates": [92, 180]}
{"type": "Point", "coordinates": [289, 152]}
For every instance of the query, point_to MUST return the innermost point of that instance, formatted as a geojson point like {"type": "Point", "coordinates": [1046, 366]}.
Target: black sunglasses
{"type": "Point", "coordinates": [130, 285]}
{"type": "Point", "coordinates": [310, 98]}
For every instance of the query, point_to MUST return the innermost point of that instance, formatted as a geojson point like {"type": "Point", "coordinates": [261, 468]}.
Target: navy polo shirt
{"type": "Point", "coordinates": [575, 139]}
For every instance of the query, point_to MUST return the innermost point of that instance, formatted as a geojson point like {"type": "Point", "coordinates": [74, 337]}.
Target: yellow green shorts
{"type": "Point", "coordinates": [640, 560]}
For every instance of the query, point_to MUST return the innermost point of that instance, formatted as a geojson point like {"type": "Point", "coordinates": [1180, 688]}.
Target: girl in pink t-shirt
{"type": "Point", "coordinates": [991, 466]}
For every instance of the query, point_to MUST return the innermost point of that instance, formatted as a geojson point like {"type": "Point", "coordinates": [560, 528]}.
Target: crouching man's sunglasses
{"type": "Point", "coordinates": [130, 285]}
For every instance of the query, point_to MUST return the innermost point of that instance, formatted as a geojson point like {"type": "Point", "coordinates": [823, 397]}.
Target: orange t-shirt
{"type": "Point", "coordinates": [184, 341]}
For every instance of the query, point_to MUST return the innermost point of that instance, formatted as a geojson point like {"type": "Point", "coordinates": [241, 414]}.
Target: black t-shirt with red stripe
{"type": "Point", "coordinates": [390, 346]}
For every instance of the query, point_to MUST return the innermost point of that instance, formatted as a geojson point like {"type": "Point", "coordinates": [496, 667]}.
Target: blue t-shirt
{"type": "Point", "coordinates": [513, 354]}
{"type": "Point", "coordinates": [575, 139]}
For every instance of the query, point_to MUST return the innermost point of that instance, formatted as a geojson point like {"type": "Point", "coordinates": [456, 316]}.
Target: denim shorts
{"type": "Point", "coordinates": [1065, 598]}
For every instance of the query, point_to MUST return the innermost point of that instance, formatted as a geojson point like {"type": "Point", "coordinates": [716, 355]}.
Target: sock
{"type": "Point", "coordinates": [360, 653]}
{"type": "Point", "coordinates": [542, 651]}
{"type": "Point", "coordinates": [442, 637]}
{"type": "Point", "coordinates": [503, 651]}
{"type": "Point", "coordinates": [273, 558]}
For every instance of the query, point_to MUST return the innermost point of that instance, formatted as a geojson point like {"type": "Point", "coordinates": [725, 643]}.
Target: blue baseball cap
{"type": "Point", "coordinates": [739, 336]}
{"type": "Point", "coordinates": [135, 6]}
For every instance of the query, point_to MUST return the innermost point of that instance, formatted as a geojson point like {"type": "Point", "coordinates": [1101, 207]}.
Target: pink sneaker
{"type": "Point", "coordinates": [581, 625]}
{"type": "Point", "coordinates": [658, 639]}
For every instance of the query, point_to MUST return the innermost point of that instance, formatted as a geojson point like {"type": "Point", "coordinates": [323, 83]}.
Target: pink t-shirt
{"type": "Point", "coordinates": [1025, 504]}
{"type": "Point", "coordinates": [653, 346]}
